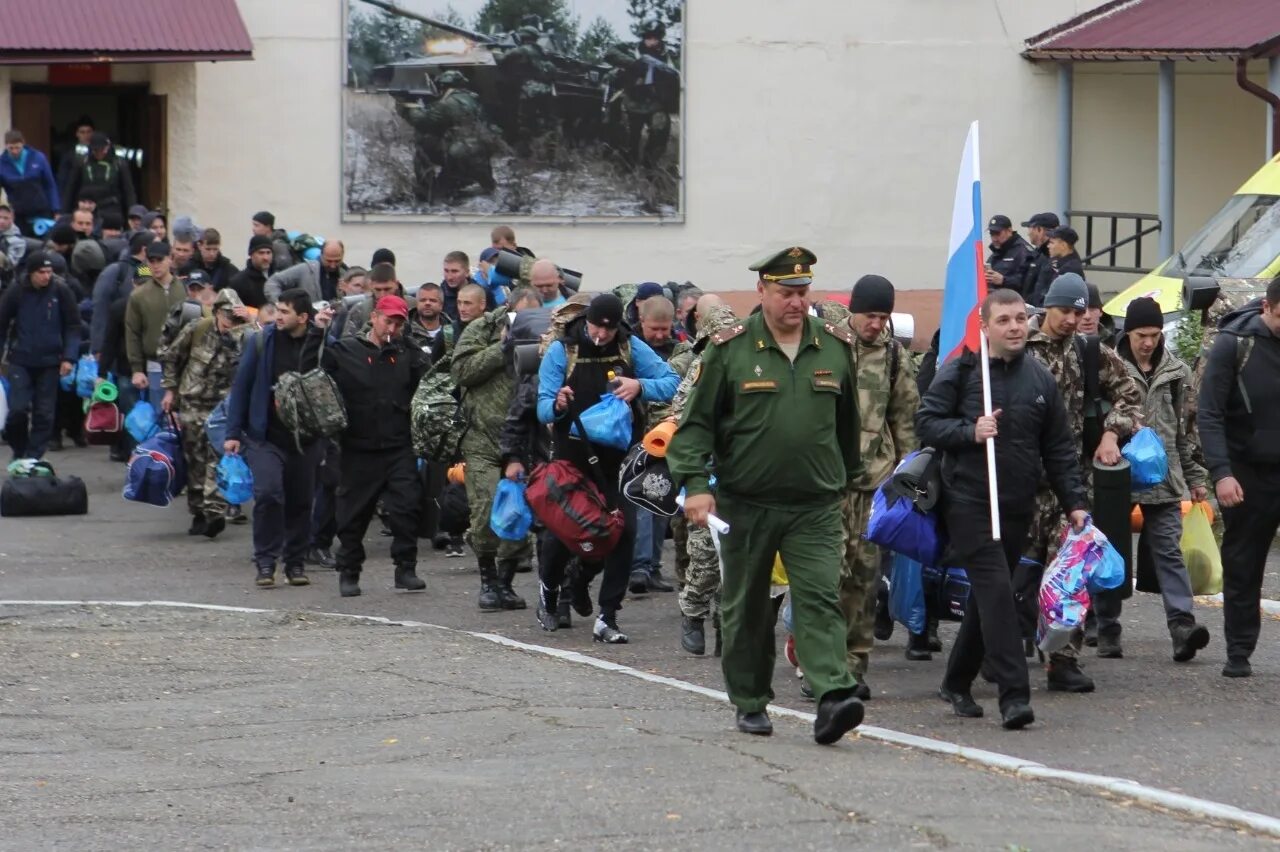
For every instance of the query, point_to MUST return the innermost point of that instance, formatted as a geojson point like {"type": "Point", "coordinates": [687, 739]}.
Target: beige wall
{"type": "Point", "coordinates": [833, 125]}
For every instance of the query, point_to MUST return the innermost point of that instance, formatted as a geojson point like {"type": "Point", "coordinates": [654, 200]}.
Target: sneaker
{"type": "Point", "coordinates": [1237, 667]}
{"type": "Point", "coordinates": [266, 576]}
{"type": "Point", "coordinates": [1065, 676]}
{"type": "Point", "coordinates": [321, 557]}
{"type": "Point", "coordinates": [296, 576]}
{"type": "Point", "coordinates": [1187, 639]}
{"type": "Point", "coordinates": [546, 620]}
{"type": "Point", "coordinates": [606, 631]}
{"type": "Point", "coordinates": [455, 549]}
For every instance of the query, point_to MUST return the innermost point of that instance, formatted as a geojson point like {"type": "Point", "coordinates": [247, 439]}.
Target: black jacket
{"type": "Point", "coordinates": [1011, 260]}
{"type": "Point", "coordinates": [377, 385]}
{"type": "Point", "coordinates": [220, 272]}
{"type": "Point", "coordinates": [1033, 433]}
{"type": "Point", "coordinates": [250, 285]}
{"type": "Point", "coordinates": [1047, 272]}
{"type": "Point", "coordinates": [113, 358]}
{"type": "Point", "coordinates": [1239, 409]}
{"type": "Point", "coordinates": [523, 438]}
{"type": "Point", "coordinates": [106, 181]}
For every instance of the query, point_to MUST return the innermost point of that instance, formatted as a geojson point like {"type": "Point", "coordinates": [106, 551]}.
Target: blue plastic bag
{"type": "Point", "coordinates": [906, 593]}
{"type": "Point", "coordinates": [215, 428]}
{"type": "Point", "coordinates": [896, 524]}
{"type": "Point", "coordinates": [608, 423]}
{"type": "Point", "coordinates": [235, 480]}
{"type": "Point", "coordinates": [1148, 461]}
{"type": "Point", "coordinates": [86, 374]}
{"type": "Point", "coordinates": [142, 421]}
{"type": "Point", "coordinates": [510, 517]}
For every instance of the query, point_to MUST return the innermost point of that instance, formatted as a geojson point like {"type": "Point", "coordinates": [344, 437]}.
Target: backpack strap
{"type": "Point", "coordinates": [1244, 346]}
{"type": "Point", "coordinates": [593, 459]}
{"type": "Point", "coordinates": [895, 361]}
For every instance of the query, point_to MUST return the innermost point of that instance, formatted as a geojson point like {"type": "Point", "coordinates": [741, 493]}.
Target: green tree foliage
{"type": "Point", "coordinates": [1189, 336]}
{"type": "Point", "coordinates": [596, 40]}
{"type": "Point", "coordinates": [377, 38]}
{"type": "Point", "coordinates": [502, 16]}
{"type": "Point", "coordinates": [667, 11]}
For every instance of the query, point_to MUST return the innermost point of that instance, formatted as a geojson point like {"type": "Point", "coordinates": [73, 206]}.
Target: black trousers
{"type": "Point", "coordinates": [615, 568]}
{"type": "Point", "coordinates": [283, 486]}
{"type": "Point", "coordinates": [324, 511]}
{"type": "Point", "coordinates": [990, 626]}
{"type": "Point", "coordinates": [1249, 531]}
{"type": "Point", "coordinates": [367, 476]}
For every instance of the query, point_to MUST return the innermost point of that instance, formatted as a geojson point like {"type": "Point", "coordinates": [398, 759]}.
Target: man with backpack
{"type": "Point", "coordinates": [596, 355]}
{"type": "Point", "coordinates": [1239, 421]}
{"type": "Point", "coordinates": [283, 463]}
{"type": "Point", "coordinates": [1162, 379]}
{"type": "Point", "coordinates": [377, 374]}
{"type": "Point", "coordinates": [103, 178]}
{"type": "Point", "coordinates": [199, 367]}
{"type": "Point", "coordinates": [1089, 375]}
{"type": "Point", "coordinates": [114, 284]}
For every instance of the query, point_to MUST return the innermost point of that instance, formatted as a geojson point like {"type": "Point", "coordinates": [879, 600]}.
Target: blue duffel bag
{"type": "Point", "coordinates": [896, 524]}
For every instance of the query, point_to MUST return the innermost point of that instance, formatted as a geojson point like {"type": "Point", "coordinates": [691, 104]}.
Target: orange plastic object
{"type": "Point", "coordinates": [458, 473]}
{"type": "Point", "coordinates": [658, 439]}
{"type": "Point", "coordinates": [1135, 520]}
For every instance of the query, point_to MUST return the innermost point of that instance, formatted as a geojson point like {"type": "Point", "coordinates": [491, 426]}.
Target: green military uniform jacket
{"type": "Point", "coordinates": [478, 366]}
{"type": "Point", "coordinates": [782, 434]}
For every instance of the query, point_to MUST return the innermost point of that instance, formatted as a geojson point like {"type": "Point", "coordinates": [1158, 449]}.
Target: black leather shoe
{"type": "Point", "coordinates": [639, 582]}
{"type": "Point", "coordinates": [407, 578]}
{"type": "Point", "coordinates": [755, 723]}
{"type": "Point", "coordinates": [962, 703]}
{"type": "Point", "coordinates": [320, 557]}
{"type": "Point", "coordinates": [837, 716]}
{"type": "Point", "coordinates": [1016, 716]}
{"type": "Point", "coordinates": [918, 648]}
{"type": "Point", "coordinates": [1237, 667]}
{"type": "Point", "coordinates": [692, 637]}
{"type": "Point", "coordinates": [1065, 676]}
{"type": "Point", "coordinates": [198, 525]}
{"type": "Point", "coordinates": [657, 583]}
{"type": "Point", "coordinates": [1187, 639]}
{"type": "Point", "coordinates": [349, 584]}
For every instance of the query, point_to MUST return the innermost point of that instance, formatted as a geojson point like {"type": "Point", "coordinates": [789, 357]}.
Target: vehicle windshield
{"type": "Point", "coordinates": [1239, 242]}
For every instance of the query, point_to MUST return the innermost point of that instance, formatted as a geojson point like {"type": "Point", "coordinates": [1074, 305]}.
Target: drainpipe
{"type": "Point", "coordinates": [1066, 96]}
{"type": "Point", "coordinates": [1164, 157]}
{"type": "Point", "coordinates": [1272, 99]}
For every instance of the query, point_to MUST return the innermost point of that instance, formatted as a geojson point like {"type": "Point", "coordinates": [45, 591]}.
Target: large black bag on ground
{"type": "Point", "coordinates": [455, 512]}
{"type": "Point", "coordinates": [43, 495]}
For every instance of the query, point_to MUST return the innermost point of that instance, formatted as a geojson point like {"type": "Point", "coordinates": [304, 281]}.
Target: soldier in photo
{"type": "Point", "coordinates": [199, 369]}
{"type": "Point", "coordinates": [651, 93]}
{"type": "Point", "coordinates": [528, 74]}
{"type": "Point", "coordinates": [774, 416]}
{"type": "Point", "coordinates": [457, 135]}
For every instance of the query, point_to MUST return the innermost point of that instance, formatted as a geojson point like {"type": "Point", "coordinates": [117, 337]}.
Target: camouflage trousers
{"type": "Point", "coordinates": [859, 581]}
{"type": "Point", "coordinates": [680, 538]}
{"type": "Point", "coordinates": [202, 464]}
{"type": "Point", "coordinates": [483, 474]}
{"type": "Point", "coordinates": [702, 577]}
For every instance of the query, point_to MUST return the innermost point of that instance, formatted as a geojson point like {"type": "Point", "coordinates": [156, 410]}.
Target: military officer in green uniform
{"type": "Point", "coordinates": [774, 416]}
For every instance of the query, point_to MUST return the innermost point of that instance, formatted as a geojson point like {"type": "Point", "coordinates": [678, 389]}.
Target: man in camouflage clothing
{"type": "Point", "coordinates": [650, 89]}
{"type": "Point", "coordinates": [1052, 340]}
{"type": "Point", "coordinates": [529, 74]}
{"type": "Point", "coordinates": [701, 581]}
{"type": "Point", "coordinates": [456, 136]}
{"type": "Point", "coordinates": [199, 367]}
{"type": "Point", "coordinates": [1233, 295]}
{"type": "Point", "coordinates": [478, 367]}
{"type": "Point", "coordinates": [887, 402]}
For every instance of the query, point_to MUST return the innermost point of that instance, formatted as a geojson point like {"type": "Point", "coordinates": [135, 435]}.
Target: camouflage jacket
{"type": "Point", "coordinates": [1115, 385]}
{"type": "Point", "coordinates": [1164, 400]}
{"type": "Point", "coordinates": [887, 406]}
{"type": "Point", "coordinates": [680, 359]}
{"type": "Point", "coordinates": [478, 368]}
{"type": "Point", "coordinates": [718, 318]}
{"type": "Point", "coordinates": [456, 117]}
{"type": "Point", "coordinates": [1227, 301]}
{"type": "Point", "coordinates": [200, 364]}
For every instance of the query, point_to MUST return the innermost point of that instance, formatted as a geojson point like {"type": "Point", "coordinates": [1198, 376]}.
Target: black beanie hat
{"type": "Point", "coordinates": [872, 294]}
{"type": "Point", "coordinates": [264, 217]}
{"type": "Point", "coordinates": [605, 311]}
{"type": "Point", "coordinates": [383, 255]}
{"type": "Point", "coordinates": [1143, 312]}
{"type": "Point", "coordinates": [259, 242]}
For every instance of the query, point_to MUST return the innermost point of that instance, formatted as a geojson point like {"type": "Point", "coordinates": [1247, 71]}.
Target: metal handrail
{"type": "Point", "coordinates": [1111, 249]}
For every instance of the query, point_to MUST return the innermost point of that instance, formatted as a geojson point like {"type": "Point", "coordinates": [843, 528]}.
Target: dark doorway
{"type": "Point", "coordinates": [130, 115]}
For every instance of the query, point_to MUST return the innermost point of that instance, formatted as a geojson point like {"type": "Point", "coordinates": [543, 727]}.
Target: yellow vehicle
{"type": "Point", "coordinates": [1239, 248]}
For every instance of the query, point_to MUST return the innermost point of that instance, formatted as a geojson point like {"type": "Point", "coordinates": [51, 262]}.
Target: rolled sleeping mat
{"type": "Point", "coordinates": [106, 392]}
{"type": "Point", "coordinates": [1112, 495]}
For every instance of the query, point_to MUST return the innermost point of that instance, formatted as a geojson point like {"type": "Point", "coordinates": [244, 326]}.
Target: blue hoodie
{"type": "Point", "coordinates": [46, 324]}
{"type": "Point", "coordinates": [30, 185]}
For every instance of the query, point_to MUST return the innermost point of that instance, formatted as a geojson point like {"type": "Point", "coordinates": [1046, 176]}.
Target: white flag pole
{"type": "Point", "coordinates": [993, 489]}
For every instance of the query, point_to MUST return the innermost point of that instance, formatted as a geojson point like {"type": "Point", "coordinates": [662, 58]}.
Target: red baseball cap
{"type": "Point", "coordinates": [392, 306]}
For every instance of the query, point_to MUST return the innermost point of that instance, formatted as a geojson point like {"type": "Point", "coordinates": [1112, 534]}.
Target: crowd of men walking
{"type": "Point", "coordinates": [786, 421]}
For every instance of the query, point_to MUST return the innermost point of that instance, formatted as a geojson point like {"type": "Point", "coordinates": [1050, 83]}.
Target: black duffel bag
{"type": "Point", "coordinates": [43, 495]}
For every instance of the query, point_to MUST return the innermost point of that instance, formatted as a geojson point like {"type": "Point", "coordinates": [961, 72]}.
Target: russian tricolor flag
{"type": "Point", "coordinates": [966, 285]}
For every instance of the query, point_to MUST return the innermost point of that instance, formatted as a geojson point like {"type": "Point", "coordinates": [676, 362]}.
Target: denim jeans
{"type": "Point", "coordinates": [33, 396]}
{"type": "Point", "coordinates": [651, 531]}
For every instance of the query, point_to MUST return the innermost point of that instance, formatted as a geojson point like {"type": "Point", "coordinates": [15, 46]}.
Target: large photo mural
{"type": "Point", "coordinates": [552, 109]}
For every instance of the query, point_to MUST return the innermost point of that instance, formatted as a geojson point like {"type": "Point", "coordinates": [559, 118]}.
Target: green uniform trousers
{"type": "Point", "coordinates": [810, 543]}
{"type": "Point", "coordinates": [482, 483]}
{"type": "Point", "coordinates": [859, 576]}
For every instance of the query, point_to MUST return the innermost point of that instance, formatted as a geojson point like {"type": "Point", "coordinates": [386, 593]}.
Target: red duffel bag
{"type": "Point", "coordinates": [573, 508]}
{"type": "Point", "coordinates": [103, 424]}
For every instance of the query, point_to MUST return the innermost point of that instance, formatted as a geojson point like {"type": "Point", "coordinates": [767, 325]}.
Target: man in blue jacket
{"type": "Point", "coordinates": [40, 322]}
{"type": "Point", "coordinates": [26, 178]}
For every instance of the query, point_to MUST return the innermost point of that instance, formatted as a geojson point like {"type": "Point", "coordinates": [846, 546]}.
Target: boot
{"type": "Point", "coordinates": [918, 647]}
{"type": "Point", "coordinates": [883, 630]}
{"type": "Point", "coordinates": [214, 525]}
{"type": "Point", "coordinates": [407, 577]}
{"type": "Point", "coordinates": [507, 596]}
{"type": "Point", "coordinates": [1187, 639]}
{"type": "Point", "coordinates": [931, 633]}
{"type": "Point", "coordinates": [198, 525]}
{"type": "Point", "coordinates": [349, 582]}
{"type": "Point", "coordinates": [489, 600]}
{"type": "Point", "coordinates": [564, 614]}
{"type": "Point", "coordinates": [692, 638]}
{"type": "Point", "coordinates": [1065, 676]}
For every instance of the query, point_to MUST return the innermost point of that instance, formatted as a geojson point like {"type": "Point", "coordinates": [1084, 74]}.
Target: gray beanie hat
{"type": "Point", "coordinates": [1068, 290]}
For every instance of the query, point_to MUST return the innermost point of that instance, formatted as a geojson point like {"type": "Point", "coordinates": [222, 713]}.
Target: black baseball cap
{"type": "Point", "coordinates": [998, 223]}
{"type": "Point", "coordinates": [1042, 220]}
{"type": "Point", "coordinates": [159, 248]}
{"type": "Point", "coordinates": [199, 278]}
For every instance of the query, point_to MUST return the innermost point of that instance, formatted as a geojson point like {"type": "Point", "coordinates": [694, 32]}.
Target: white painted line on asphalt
{"type": "Point", "coordinates": [1021, 768]}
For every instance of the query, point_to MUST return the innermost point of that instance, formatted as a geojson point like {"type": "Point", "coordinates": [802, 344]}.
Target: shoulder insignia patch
{"type": "Point", "coordinates": [727, 334]}
{"type": "Point", "coordinates": [839, 332]}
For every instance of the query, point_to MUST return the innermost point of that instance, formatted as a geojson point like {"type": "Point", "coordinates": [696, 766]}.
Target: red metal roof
{"type": "Point", "coordinates": [1165, 29]}
{"type": "Point", "coordinates": [56, 31]}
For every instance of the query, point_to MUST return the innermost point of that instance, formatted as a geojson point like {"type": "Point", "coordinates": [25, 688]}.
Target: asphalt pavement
{"type": "Point", "coordinates": [176, 728]}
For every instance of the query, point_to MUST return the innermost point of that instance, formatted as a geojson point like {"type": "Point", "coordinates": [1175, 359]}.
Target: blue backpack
{"type": "Point", "coordinates": [157, 470]}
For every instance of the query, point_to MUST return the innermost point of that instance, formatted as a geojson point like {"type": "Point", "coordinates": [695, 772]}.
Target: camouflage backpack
{"type": "Point", "coordinates": [436, 421]}
{"type": "Point", "coordinates": [308, 404]}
